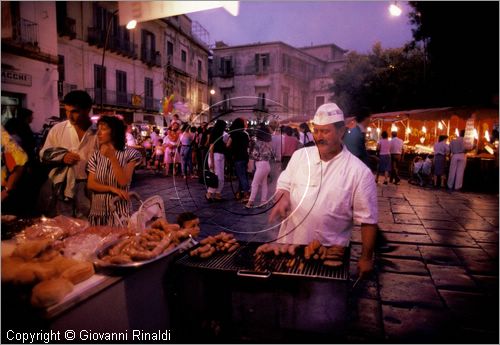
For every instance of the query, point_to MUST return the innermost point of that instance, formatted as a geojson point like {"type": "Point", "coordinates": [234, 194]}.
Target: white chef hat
{"type": "Point", "coordinates": [328, 113]}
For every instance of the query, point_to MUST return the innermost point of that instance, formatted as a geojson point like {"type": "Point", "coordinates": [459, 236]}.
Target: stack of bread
{"type": "Point", "coordinates": [37, 263]}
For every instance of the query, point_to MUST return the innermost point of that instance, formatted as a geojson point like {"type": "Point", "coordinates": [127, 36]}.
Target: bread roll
{"type": "Point", "coordinates": [79, 272]}
{"type": "Point", "coordinates": [50, 292]}
{"type": "Point", "coordinates": [10, 266]}
{"type": "Point", "coordinates": [30, 249]}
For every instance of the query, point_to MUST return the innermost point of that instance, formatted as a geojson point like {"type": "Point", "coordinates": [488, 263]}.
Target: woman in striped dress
{"type": "Point", "coordinates": [110, 171]}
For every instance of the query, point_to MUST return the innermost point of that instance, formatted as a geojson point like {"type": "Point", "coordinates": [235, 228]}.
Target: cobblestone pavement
{"type": "Point", "coordinates": [439, 285]}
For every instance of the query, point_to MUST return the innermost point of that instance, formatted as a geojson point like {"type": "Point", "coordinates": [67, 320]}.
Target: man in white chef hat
{"type": "Point", "coordinates": [324, 189]}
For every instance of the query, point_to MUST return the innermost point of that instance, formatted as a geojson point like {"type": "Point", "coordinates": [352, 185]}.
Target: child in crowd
{"type": "Point", "coordinates": [190, 222]}
{"type": "Point", "coordinates": [159, 156]}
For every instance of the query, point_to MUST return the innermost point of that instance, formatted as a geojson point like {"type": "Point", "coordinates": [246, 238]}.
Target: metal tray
{"type": "Point", "coordinates": [186, 244]}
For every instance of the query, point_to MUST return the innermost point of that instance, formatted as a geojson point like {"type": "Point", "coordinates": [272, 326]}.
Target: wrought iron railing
{"type": "Point", "coordinates": [26, 32]}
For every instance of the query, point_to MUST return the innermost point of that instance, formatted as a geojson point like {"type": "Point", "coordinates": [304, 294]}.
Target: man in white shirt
{"type": "Point", "coordinates": [457, 163]}
{"type": "Point", "coordinates": [69, 145]}
{"type": "Point", "coordinates": [396, 151]}
{"type": "Point", "coordinates": [324, 188]}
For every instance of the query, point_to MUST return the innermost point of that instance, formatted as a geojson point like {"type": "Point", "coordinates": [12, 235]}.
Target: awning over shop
{"type": "Point", "coordinates": [438, 114]}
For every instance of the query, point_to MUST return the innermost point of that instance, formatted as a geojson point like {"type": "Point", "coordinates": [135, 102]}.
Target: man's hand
{"type": "Point", "coordinates": [281, 209]}
{"type": "Point", "coordinates": [108, 151]}
{"type": "Point", "coordinates": [368, 236]}
{"type": "Point", "coordinates": [365, 267]}
{"type": "Point", "coordinates": [71, 158]}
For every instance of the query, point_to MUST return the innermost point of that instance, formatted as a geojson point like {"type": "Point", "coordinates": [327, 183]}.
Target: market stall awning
{"type": "Point", "coordinates": [438, 113]}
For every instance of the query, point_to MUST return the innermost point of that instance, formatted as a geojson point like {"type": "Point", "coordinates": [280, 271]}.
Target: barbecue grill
{"type": "Point", "coordinates": [243, 297]}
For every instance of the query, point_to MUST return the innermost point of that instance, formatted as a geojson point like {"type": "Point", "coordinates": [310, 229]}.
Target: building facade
{"type": "Point", "coordinates": [51, 48]}
{"type": "Point", "coordinates": [29, 60]}
{"type": "Point", "coordinates": [142, 66]}
{"type": "Point", "coordinates": [272, 81]}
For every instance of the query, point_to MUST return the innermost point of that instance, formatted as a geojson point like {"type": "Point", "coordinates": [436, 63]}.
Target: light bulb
{"type": "Point", "coordinates": [440, 125]}
{"type": "Point", "coordinates": [456, 132]}
{"type": "Point", "coordinates": [408, 130]}
{"type": "Point", "coordinates": [487, 135]}
{"type": "Point", "coordinates": [424, 129]}
{"type": "Point", "coordinates": [395, 10]}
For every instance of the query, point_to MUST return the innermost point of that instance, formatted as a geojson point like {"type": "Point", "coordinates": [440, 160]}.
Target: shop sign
{"type": "Point", "coordinates": [13, 77]}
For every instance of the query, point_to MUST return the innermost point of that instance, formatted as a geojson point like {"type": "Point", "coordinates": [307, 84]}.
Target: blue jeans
{"type": "Point", "coordinates": [241, 172]}
{"type": "Point", "coordinates": [187, 160]}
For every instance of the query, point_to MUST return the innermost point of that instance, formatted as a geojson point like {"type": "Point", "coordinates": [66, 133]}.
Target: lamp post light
{"type": "Point", "coordinates": [395, 10]}
{"type": "Point", "coordinates": [130, 25]}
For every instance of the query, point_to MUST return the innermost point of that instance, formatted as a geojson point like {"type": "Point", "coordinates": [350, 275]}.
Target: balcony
{"type": "Point", "coordinates": [25, 33]}
{"type": "Point", "coordinates": [67, 28]}
{"type": "Point", "coordinates": [111, 98]}
{"type": "Point", "coordinates": [96, 36]}
{"type": "Point", "coordinates": [151, 104]}
{"type": "Point", "coordinates": [150, 57]}
{"type": "Point", "coordinates": [227, 73]}
{"type": "Point", "coordinates": [63, 88]}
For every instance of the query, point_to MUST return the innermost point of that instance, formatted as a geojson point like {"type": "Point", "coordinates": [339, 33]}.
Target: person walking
{"type": "Point", "coordinates": [290, 145]}
{"type": "Point", "coordinates": [238, 145]}
{"type": "Point", "coordinates": [457, 163]}
{"type": "Point", "coordinates": [261, 152]}
{"type": "Point", "coordinates": [384, 153]}
{"type": "Point", "coordinates": [441, 150]}
{"type": "Point", "coordinates": [305, 135]}
{"type": "Point", "coordinates": [217, 140]}
{"type": "Point", "coordinates": [396, 150]}
{"type": "Point", "coordinates": [186, 141]}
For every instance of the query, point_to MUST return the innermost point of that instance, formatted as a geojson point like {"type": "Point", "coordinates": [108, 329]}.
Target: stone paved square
{"type": "Point", "coordinates": [432, 287]}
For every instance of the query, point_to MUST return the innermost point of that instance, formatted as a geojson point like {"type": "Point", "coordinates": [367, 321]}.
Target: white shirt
{"type": "Point", "coordinates": [442, 148]}
{"type": "Point", "coordinates": [396, 146]}
{"type": "Point", "coordinates": [326, 197]}
{"type": "Point", "coordinates": [384, 147]}
{"type": "Point", "coordinates": [129, 137]}
{"type": "Point", "coordinates": [64, 135]}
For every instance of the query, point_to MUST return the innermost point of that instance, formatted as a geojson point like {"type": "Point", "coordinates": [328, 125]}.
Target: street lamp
{"type": "Point", "coordinates": [395, 10]}
{"type": "Point", "coordinates": [130, 25]}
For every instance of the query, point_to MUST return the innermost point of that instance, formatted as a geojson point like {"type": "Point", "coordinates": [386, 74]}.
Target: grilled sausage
{"type": "Point", "coordinates": [307, 252]}
{"type": "Point", "coordinates": [291, 249]}
{"type": "Point", "coordinates": [315, 244]}
{"type": "Point", "coordinates": [233, 248]}
{"type": "Point", "coordinates": [284, 248]}
{"type": "Point", "coordinates": [208, 240]}
{"type": "Point", "coordinates": [208, 254]}
{"type": "Point", "coordinates": [332, 263]}
{"type": "Point", "coordinates": [204, 248]}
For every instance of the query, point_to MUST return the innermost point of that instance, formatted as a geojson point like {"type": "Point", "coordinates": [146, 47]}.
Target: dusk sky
{"type": "Point", "coordinates": [353, 25]}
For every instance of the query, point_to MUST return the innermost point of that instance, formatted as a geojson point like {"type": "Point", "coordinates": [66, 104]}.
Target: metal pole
{"type": "Point", "coordinates": [108, 29]}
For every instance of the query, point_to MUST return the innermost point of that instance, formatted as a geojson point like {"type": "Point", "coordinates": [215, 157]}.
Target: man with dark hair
{"type": "Point", "coordinates": [354, 138]}
{"type": "Point", "coordinates": [325, 189]}
{"type": "Point", "coordinates": [68, 147]}
{"type": "Point", "coordinates": [457, 162]}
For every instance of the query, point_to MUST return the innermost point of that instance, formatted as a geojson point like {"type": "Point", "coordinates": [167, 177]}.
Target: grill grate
{"type": "Point", "coordinates": [284, 265]}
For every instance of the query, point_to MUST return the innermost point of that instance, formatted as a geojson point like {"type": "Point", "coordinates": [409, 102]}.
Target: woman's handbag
{"type": "Point", "coordinates": [209, 179]}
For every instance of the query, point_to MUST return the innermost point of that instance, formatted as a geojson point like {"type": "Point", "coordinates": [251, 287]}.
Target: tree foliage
{"type": "Point", "coordinates": [383, 80]}
{"type": "Point", "coordinates": [462, 45]}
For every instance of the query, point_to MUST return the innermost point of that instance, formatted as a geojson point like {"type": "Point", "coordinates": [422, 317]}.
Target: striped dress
{"type": "Point", "coordinates": [100, 208]}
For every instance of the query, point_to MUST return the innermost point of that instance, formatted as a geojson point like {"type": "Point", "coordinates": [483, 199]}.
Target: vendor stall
{"type": "Point", "coordinates": [420, 129]}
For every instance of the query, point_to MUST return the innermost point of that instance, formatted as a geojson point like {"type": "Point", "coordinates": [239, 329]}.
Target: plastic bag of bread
{"type": "Point", "coordinates": [50, 292]}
